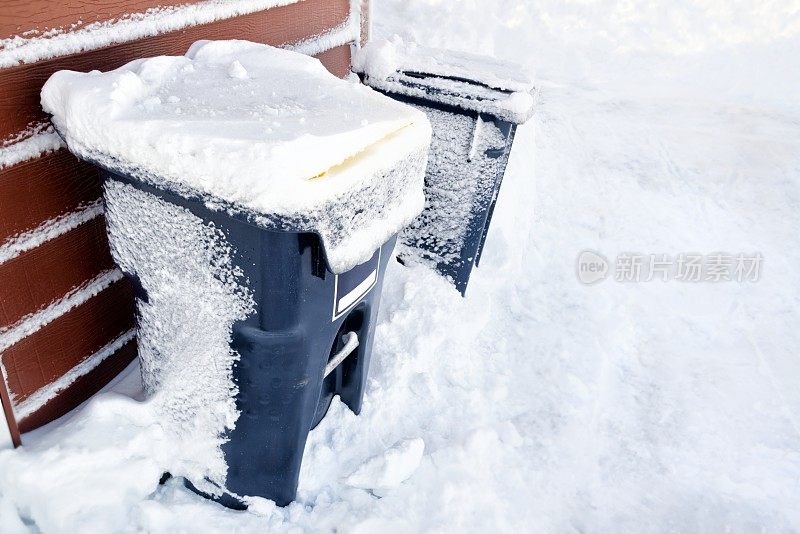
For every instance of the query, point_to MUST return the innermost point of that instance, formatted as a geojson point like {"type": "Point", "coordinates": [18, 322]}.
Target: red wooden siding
{"type": "Point", "coordinates": [41, 189]}
{"type": "Point", "coordinates": [21, 16]}
{"type": "Point", "coordinates": [56, 184]}
{"type": "Point", "coordinates": [51, 351]}
{"type": "Point", "coordinates": [56, 267]}
{"type": "Point", "coordinates": [80, 390]}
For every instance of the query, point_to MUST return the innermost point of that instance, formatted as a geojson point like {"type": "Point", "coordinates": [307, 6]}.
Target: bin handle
{"type": "Point", "coordinates": [350, 344]}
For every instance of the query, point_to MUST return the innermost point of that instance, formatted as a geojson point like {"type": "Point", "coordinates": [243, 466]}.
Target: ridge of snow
{"type": "Point", "coordinates": [16, 50]}
{"type": "Point", "coordinates": [31, 130]}
{"type": "Point", "coordinates": [48, 230]}
{"type": "Point", "coordinates": [47, 393]}
{"type": "Point", "coordinates": [347, 32]}
{"type": "Point", "coordinates": [35, 321]}
{"type": "Point", "coordinates": [41, 141]}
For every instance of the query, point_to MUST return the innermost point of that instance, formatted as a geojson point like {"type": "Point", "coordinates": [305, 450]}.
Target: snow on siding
{"type": "Point", "coordinates": [48, 230]}
{"type": "Point", "coordinates": [194, 297]}
{"type": "Point", "coordinates": [18, 49]}
{"type": "Point", "coordinates": [47, 393]}
{"type": "Point", "coordinates": [34, 143]}
{"type": "Point", "coordinates": [35, 321]}
{"type": "Point", "coordinates": [347, 32]}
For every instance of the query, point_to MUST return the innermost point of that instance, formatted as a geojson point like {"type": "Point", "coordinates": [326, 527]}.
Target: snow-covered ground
{"type": "Point", "coordinates": [544, 404]}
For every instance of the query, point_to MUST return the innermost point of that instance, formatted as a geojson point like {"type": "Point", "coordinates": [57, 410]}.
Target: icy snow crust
{"type": "Point", "coordinates": [459, 182]}
{"type": "Point", "coordinates": [194, 296]}
{"type": "Point", "coordinates": [467, 81]}
{"type": "Point", "coordinates": [256, 130]}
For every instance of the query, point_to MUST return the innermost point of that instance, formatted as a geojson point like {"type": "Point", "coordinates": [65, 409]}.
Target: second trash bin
{"type": "Point", "coordinates": [474, 104]}
{"type": "Point", "coordinates": [254, 200]}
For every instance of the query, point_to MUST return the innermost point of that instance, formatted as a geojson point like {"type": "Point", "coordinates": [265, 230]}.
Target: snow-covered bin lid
{"type": "Point", "coordinates": [254, 130]}
{"type": "Point", "coordinates": [468, 81]}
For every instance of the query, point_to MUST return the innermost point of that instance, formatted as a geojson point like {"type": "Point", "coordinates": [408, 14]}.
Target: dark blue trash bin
{"type": "Point", "coordinates": [291, 349]}
{"type": "Point", "coordinates": [474, 109]}
{"type": "Point", "coordinates": [253, 199]}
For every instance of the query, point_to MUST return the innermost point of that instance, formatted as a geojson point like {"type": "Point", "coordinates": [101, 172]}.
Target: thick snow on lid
{"type": "Point", "coordinates": [469, 81]}
{"type": "Point", "coordinates": [253, 125]}
{"type": "Point", "coordinates": [256, 130]}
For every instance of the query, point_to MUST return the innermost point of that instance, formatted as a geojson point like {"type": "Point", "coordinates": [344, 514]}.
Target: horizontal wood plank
{"type": "Point", "coordinates": [20, 85]}
{"type": "Point", "coordinates": [39, 276]}
{"type": "Point", "coordinates": [83, 388]}
{"type": "Point", "coordinates": [33, 17]}
{"type": "Point", "coordinates": [42, 189]}
{"type": "Point", "coordinates": [51, 351]}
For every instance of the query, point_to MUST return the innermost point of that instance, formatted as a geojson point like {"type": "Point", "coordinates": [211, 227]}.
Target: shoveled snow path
{"type": "Point", "coordinates": [663, 413]}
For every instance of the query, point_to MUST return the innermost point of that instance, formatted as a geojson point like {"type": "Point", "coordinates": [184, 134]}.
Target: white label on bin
{"type": "Point", "coordinates": [352, 286]}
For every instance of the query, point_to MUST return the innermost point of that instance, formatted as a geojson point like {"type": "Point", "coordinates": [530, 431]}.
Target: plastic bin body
{"type": "Point", "coordinates": [453, 244]}
{"type": "Point", "coordinates": [302, 310]}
